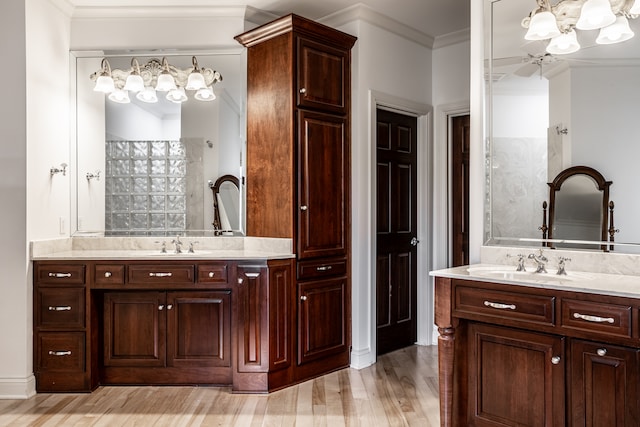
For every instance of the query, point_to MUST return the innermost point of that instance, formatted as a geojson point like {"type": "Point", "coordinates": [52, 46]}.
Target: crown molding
{"type": "Point", "coordinates": [258, 17]}
{"type": "Point", "coordinates": [177, 12]}
{"type": "Point", "coordinates": [365, 13]}
{"type": "Point", "coordinates": [456, 37]}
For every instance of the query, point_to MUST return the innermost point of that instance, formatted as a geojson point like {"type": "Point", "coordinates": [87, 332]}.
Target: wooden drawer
{"type": "Point", "coordinates": [61, 351]}
{"type": "Point", "coordinates": [168, 274]}
{"type": "Point", "coordinates": [109, 274]}
{"type": "Point", "coordinates": [213, 273]}
{"type": "Point", "coordinates": [60, 274]}
{"type": "Point", "coordinates": [60, 307]}
{"type": "Point", "coordinates": [321, 268]}
{"type": "Point", "coordinates": [610, 319]}
{"type": "Point", "coordinates": [476, 303]}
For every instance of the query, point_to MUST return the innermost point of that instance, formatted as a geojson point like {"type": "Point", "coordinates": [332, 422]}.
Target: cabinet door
{"type": "Point", "coordinates": [134, 329]}
{"type": "Point", "coordinates": [323, 82]}
{"type": "Point", "coordinates": [323, 193]}
{"type": "Point", "coordinates": [322, 319]}
{"type": "Point", "coordinates": [604, 383]}
{"type": "Point", "coordinates": [199, 328]}
{"type": "Point", "coordinates": [516, 378]}
{"type": "Point", "coordinates": [251, 320]}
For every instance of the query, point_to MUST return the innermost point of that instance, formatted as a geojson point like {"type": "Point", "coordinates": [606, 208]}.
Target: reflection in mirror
{"type": "Point", "coordinates": [549, 115]}
{"type": "Point", "coordinates": [226, 195]}
{"type": "Point", "coordinates": [158, 157]}
{"type": "Point", "coordinates": [578, 208]}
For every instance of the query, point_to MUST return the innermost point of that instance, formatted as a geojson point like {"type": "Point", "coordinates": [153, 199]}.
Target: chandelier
{"type": "Point", "coordinates": [558, 23]}
{"type": "Point", "coordinates": [153, 77]}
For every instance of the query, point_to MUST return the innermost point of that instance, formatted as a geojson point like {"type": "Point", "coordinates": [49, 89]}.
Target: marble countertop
{"type": "Point", "coordinates": [594, 283]}
{"type": "Point", "coordinates": [155, 255]}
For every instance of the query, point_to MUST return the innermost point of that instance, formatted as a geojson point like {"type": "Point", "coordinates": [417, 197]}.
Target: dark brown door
{"type": "Point", "coordinates": [460, 190]}
{"type": "Point", "coordinates": [396, 241]}
{"type": "Point", "coordinates": [323, 173]}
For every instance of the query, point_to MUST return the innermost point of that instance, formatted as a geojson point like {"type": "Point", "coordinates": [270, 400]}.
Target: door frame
{"type": "Point", "coordinates": [423, 113]}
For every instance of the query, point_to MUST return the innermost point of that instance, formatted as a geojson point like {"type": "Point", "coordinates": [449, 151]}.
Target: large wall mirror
{"type": "Point", "coordinates": [547, 113]}
{"type": "Point", "coordinates": [143, 169]}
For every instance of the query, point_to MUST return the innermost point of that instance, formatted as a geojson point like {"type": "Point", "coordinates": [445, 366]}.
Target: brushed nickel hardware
{"type": "Point", "coordinates": [60, 353]}
{"type": "Point", "coordinates": [303, 90]}
{"type": "Point", "coordinates": [303, 208]}
{"type": "Point", "coordinates": [107, 274]}
{"type": "Point", "coordinates": [211, 274]}
{"type": "Point", "coordinates": [324, 268]}
{"type": "Point", "coordinates": [555, 360]}
{"type": "Point", "coordinates": [414, 241]}
{"type": "Point", "coordinates": [178, 245]}
{"type": "Point", "coordinates": [499, 305]}
{"type": "Point", "coordinates": [303, 297]}
{"type": "Point", "coordinates": [191, 244]}
{"type": "Point", "coordinates": [163, 248]}
{"type": "Point", "coordinates": [595, 319]}
{"type": "Point", "coordinates": [62, 169]}
{"type": "Point", "coordinates": [93, 175]}
{"type": "Point", "coordinates": [169, 307]}
{"type": "Point", "coordinates": [59, 275]}
{"type": "Point", "coordinates": [161, 307]}
{"type": "Point", "coordinates": [601, 351]}
{"type": "Point", "coordinates": [252, 275]}
{"type": "Point", "coordinates": [60, 308]}
{"type": "Point", "coordinates": [152, 274]}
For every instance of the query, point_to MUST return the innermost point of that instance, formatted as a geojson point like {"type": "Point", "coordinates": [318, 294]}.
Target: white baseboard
{"type": "Point", "coordinates": [17, 388]}
{"type": "Point", "coordinates": [362, 358]}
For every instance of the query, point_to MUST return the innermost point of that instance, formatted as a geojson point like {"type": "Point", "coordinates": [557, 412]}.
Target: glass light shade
{"type": "Point", "coordinates": [148, 95]}
{"type": "Point", "coordinates": [635, 9]}
{"type": "Point", "coordinates": [617, 32]}
{"type": "Point", "coordinates": [542, 26]}
{"type": "Point", "coordinates": [564, 44]}
{"type": "Point", "coordinates": [134, 83]}
{"type": "Point", "coordinates": [195, 81]}
{"type": "Point", "coordinates": [120, 96]}
{"type": "Point", "coordinates": [177, 95]}
{"type": "Point", "coordinates": [165, 82]}
{"type": "Point", "coordinates": [205, 94]}
{"type": "Point", "coordinates": [104, 84]}
{"type": "Point", "coordinates": [595, 14]}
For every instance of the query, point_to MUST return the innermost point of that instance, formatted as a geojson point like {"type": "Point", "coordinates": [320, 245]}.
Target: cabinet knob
{"type": "Point", "coordinates": [169, 307]}
{"type": "Point", "coordinates": [303, 297]}
{"type": "Point", "coordinates": [211, 274]}
{"type": "Point", "coordinates": [107, 274]}
{"type": "Point", "coordinates": [303, 208]}
{"type": "Point", "coordinates": [601, 351]}
{"type": "Point", "coordinates": [303, 90]}
{"type": "Point", "coordinates": [555, 360]}
{"type": "Point", "coordinates": [240, 280]}
{"type": "Point", "coordinates": [161, 307]}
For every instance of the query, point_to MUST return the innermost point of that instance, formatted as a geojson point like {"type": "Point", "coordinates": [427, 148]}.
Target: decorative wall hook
{"type": "Point", "coordinates": [561, 131]}
{"type": "Point", "coordinates": [93, 175]}
{"type": "Point", "coordinates": [62, 169]}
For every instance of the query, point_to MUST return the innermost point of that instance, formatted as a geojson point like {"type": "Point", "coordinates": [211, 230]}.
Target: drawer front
{"type": "Point", "coordinates": [174, 274]}
{"type": "Point", "coordinates": [109, 274]}
{"type": "Point", "coordinates": [609, 319]}
{"type": "Point", "coordinates": [506, 305]}
{"type": "Point", "coordinates": [60, 274]}
{"type": "Point", "coordinates": [213, 273]}
{"type": "Point", "coordinates": [60, 308]}
{"type": "Point", "coordinates": [321, 268]}
{"type": "Point", "coordinates": [61, 352]}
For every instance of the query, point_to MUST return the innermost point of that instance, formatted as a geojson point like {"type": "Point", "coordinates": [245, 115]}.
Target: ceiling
{"type": "Point", "coordinates": [434, 18]}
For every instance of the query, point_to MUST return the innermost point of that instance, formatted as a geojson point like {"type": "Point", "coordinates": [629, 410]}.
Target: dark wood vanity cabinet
{"type": "Point", "coordinates": [156, 322]}
{"type": "Point", "coordinates": [298, 174]}
{"type": "Point", "coordinates": [519, 356]}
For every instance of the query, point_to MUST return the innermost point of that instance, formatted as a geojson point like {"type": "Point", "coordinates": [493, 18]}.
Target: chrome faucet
{"type": "Point", "coordinates": [540, 260]}
{"type": "Point", "coordinates": [561, 265]}
{"type": "Point", "coordinates": [178, 245]}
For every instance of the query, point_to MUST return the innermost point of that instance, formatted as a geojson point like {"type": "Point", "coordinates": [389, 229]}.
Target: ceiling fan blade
{"type": "Point", "coordinates": [535, 47]}
{"type": "Point", "coordinates": [527, 70]}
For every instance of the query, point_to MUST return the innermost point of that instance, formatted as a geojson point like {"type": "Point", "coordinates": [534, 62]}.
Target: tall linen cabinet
{"type": "Point", "coordinates": [298, 176]}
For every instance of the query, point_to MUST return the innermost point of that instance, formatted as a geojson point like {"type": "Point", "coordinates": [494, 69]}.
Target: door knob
{"type": "Point", "coordinates": [414, 242]}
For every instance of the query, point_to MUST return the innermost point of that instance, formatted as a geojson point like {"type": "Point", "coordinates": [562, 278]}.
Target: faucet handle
{"type": "Point", "coordinates": [191, 244]}
{"type": "Point", "coordinates": [163, 248]}
{"type": "Point", "coordinates": [561, 265]}
{"type": "Point", "coordinates": [521, 260]}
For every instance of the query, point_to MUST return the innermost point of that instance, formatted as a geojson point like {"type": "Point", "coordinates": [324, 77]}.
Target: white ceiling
{"type": "Point", "coordinates": [431, 17]}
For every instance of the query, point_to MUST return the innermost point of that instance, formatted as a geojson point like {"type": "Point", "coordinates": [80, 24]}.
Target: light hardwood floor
{"type": "Point", "coordinates": [400, 390]}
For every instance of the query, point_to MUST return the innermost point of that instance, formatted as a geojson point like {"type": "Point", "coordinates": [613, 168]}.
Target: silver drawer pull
{"type": "Point", "coordinates": [152, 274]}
{"type": "Point", "coordinates": [60, 308]}
{"type": "Point", "coordinates": [324, 268]}
{"type": "Point", "coordinates": [500, 306]}
{"type": "Point", "coordinates": [252, 275]}
{"type": "Point", "coordinates": [60, 353]}
{"type": "Point", "coordinates": [595, 319]}
{"type": "Point", "coordinates": [59, 275]}
{"type": "Point", "coordinates": [107, 274]}
{"type": "Point", "coordinates": [211, 274]}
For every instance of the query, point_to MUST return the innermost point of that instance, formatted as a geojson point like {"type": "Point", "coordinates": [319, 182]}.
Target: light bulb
{"type": "Point", "coordinates": [148, 95]}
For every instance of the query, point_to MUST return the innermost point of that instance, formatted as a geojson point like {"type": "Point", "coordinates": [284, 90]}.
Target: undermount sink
{"type": "Point", "coordinates": [509, 272]}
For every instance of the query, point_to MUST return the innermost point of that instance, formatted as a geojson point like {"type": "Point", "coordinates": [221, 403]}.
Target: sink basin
{"type": "Point", "coordinates": [509, 272]}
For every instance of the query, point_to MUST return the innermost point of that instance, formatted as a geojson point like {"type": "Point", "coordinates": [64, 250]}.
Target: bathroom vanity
{"type": "Point", "coordinates": [163, 319]}
{"type": "Point", "coordinates": [529, 349]}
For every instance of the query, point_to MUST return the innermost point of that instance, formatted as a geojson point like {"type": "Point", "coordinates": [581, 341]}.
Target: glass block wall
{"type": "Point", "coordinates": [145, 188]}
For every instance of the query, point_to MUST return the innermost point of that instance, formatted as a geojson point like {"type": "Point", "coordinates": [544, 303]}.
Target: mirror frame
{"type": "Point", "coordinates": [215, 188]}
{"type": "Point", "coordinates": [602, 185]}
